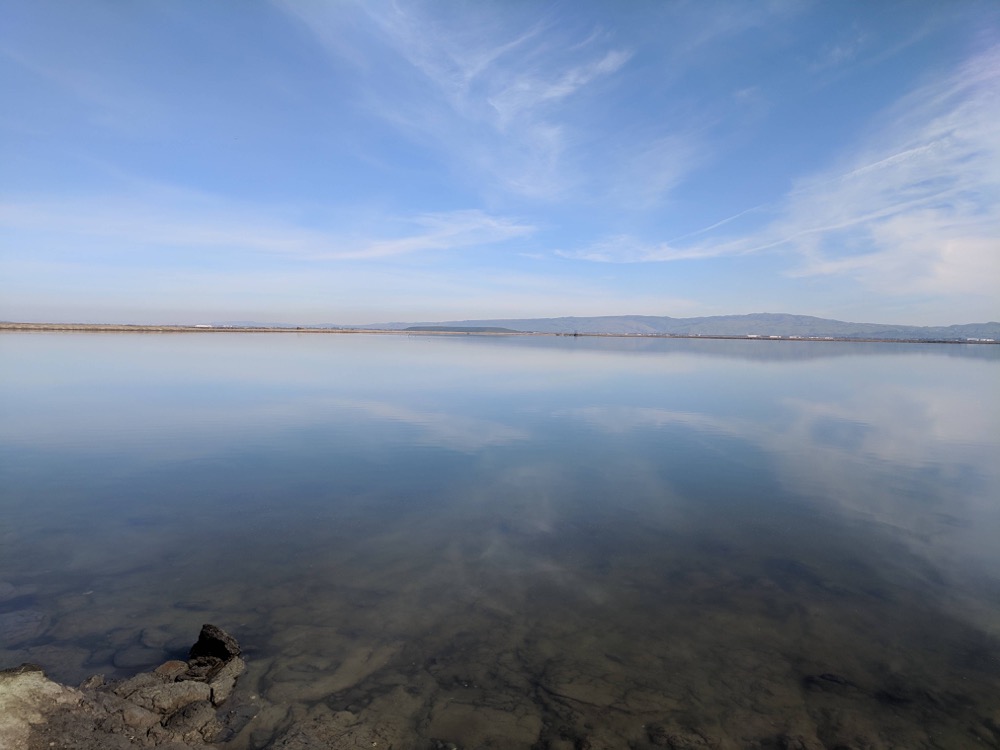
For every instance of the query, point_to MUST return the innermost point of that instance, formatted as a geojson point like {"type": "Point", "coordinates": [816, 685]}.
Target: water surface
{"type": "Point", "coordinates": [519, 542]}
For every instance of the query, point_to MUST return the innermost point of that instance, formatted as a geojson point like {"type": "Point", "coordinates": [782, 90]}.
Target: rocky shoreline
{"type": "Point", "coordinates": [178, 705]}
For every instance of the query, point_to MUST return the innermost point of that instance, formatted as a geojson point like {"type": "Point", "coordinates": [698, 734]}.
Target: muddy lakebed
{"type": "Point", "coordinates": [486, 542]}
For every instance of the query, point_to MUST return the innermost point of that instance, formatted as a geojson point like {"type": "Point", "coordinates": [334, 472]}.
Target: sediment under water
{"type": "Point", "coordinates": [493, 545]}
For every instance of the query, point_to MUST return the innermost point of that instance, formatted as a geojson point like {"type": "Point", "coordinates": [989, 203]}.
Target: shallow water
{"type": "Point", "coordinates": [518, 542]}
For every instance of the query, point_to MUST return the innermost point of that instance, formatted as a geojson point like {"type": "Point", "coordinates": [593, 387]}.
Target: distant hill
{"type": "Point", "coordinates": [757, 324]}
{"type": "Point", "coordinates": [461, 329]}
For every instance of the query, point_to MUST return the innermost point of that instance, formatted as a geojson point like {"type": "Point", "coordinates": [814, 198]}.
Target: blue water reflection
{"type": "Point", "coordinates": [782, 508]}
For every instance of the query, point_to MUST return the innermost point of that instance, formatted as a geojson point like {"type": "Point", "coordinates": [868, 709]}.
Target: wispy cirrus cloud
{"type": "Point", "coordinates": [489, 68]}
{"type": "Point", "coordinates": [530, 90]}
{"type": "Point", "coordinates": [438, 231]}
{"type": "Point", "coordinates": [201, 223]}
{"type": "Point", "coordinates": [915, 207]}
{"type": "Point", "coordinates": [919, 209]}
{"type": "Point", "coordinates": [644, 174]}
{"type": "Point", "coordinates": [626, 248]}
{"type": "Point", "coordinates": [484, 84]}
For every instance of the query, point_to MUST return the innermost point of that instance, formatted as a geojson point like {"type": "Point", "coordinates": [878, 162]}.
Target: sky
{"type": "Point", "coordinates": [361, 162]}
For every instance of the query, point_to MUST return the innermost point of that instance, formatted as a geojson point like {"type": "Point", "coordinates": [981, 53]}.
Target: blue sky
{"type": "Point", "coordinates": [361, 162]}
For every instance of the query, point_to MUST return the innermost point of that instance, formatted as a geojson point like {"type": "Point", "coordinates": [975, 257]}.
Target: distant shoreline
{"type": "Point", "coordinates": [126, 328]}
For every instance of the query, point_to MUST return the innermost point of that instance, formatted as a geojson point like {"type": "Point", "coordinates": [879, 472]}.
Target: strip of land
{"type": "Point", "coordinates": [443, 331]}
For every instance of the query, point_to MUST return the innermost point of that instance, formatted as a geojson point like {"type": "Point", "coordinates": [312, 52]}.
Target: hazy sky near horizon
{"type": "Point", "coordinates": [361, 162]}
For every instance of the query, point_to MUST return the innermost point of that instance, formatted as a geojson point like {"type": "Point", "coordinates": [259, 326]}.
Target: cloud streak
{"type": "Point", "coordinates": [215, 225]}
{"type": "Point", "coordinates": [490, 89]}
{"type": "Point", "coordinates": [915, 208]}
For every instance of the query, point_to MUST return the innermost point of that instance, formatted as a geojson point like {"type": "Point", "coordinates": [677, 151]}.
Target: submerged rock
{"type": "Point", "coordinates": [22, 626]}
{"type": "Point", "coordinates": [136, 657]}
{"type": "Point", "coordinates": [7, 591]}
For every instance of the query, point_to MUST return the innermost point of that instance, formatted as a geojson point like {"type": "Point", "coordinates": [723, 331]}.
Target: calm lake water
{"type": "Point", "coordinates": [519, 542]}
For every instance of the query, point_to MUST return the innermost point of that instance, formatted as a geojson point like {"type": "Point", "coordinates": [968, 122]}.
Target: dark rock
{"type": "Point", "coordinates": [215, 642]}
{"type": "Point", "coordinates": [202, 669]}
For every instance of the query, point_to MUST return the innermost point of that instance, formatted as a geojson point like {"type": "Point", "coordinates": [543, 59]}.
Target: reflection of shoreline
{"type": "Point", "coordinates": [463, 331]}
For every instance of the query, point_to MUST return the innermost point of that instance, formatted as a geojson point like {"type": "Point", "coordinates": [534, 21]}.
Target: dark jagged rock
{"type": "Point", "coordinates": [216, 643]}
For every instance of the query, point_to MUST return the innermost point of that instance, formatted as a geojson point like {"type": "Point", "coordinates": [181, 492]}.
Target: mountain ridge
{"type": "Point", "coordinates": [753, 324]}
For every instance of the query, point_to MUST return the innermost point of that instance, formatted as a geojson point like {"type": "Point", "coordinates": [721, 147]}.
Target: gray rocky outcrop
{"type": "Point", "coordinates": [175, 707]}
